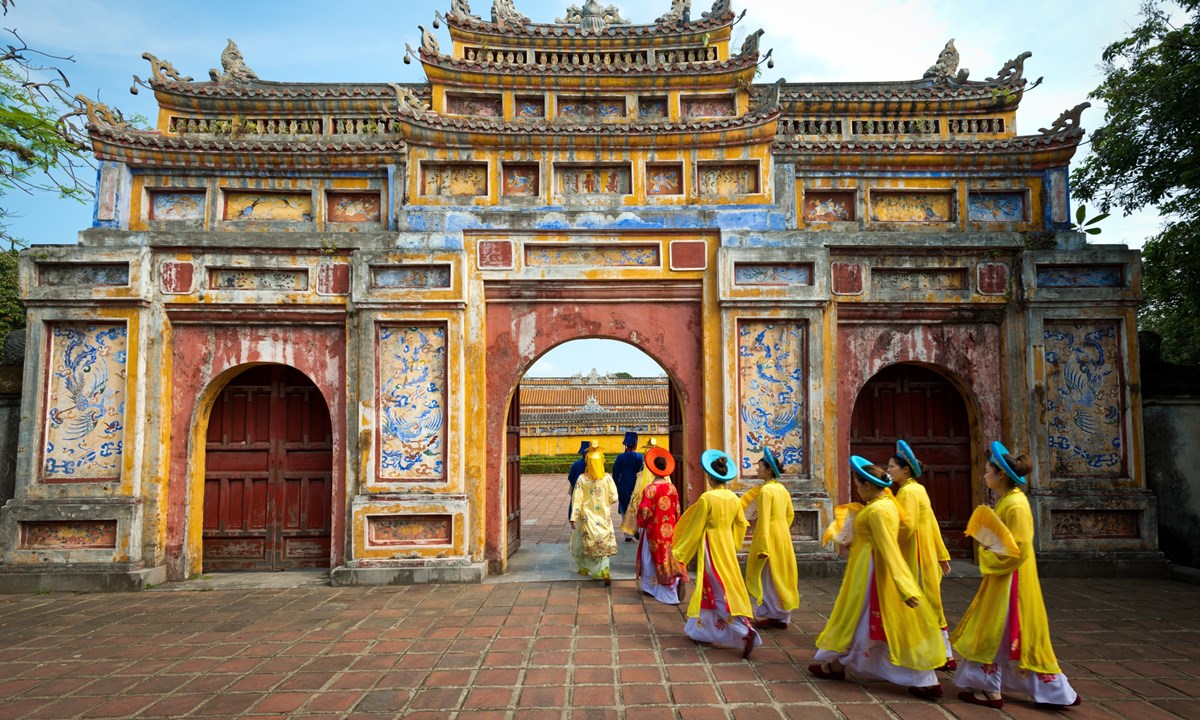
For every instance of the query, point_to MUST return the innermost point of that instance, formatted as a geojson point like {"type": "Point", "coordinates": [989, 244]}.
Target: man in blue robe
{"type": "Point", "coordinates": [625, 472]}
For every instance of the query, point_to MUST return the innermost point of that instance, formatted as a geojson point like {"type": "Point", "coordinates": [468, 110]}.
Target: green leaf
{"type": "Point", "coordinates": [1096, 219]}
{"type": "Point", "coordinates": [1092, 231]}
{"type": "Point", "coordinates": [1080, 213]}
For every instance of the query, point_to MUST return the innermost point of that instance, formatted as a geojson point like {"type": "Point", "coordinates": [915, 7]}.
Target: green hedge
{"type": "Point", "coordinates": [554, 464]}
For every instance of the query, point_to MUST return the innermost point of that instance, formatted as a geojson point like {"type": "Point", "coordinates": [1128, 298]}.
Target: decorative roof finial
{"type": "Point", "coordinates": [462, 8]}
{"type": "Point", "coordinates": [680, 12]}
{"type": "Point", "coordinates": [1068, 121]}
{"type": "Point", "coordinates": [234, 66]}
{"type": "Point", "coordinates": [505, 13]}
{"type": "Point", "coordinates": [593, 17]}
{"type": "Point", "coordinates": [946, 65]}
{"type": "Point", "coordinates": [408, 100]}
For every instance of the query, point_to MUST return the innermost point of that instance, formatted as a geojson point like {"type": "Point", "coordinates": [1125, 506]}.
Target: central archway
{"type": "Point", "coordinates": [663, 321]}
{"type": "Point", "coordinates": [590, 390]}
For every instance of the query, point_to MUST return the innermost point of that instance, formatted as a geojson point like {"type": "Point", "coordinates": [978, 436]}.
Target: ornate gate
{"type": "Point", "coordinates": [268, 474]}
{"type": "Point", "coordinates": [921, 406]}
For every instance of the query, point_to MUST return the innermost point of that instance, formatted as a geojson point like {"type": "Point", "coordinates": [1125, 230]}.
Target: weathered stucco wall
{"type": "Point", "coordinates": [1173, 474]}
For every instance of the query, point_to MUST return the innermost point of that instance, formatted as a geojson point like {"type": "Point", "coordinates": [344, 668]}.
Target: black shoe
{"type": "Point", "coordinates": [931, 692]}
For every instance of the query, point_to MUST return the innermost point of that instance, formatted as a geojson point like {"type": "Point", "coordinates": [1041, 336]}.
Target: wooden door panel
{"type": "Point", "coordinates": [917, 404]}
{"type": "Point", "coordinates": [268, 474]}
{"type": "Point", "coordinates": [512, 475]}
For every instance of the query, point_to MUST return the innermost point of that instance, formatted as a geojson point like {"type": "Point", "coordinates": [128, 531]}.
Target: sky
{"type": "Point", "coordinates": [363, 41]}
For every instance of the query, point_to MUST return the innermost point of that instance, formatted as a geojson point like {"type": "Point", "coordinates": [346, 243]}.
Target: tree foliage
{"type": "Point", "coordinates": [43, 145]}
{"type": "Point", "coordinates": [1147, 153]}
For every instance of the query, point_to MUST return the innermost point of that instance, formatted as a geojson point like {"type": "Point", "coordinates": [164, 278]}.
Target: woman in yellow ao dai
{"type": "Point", "coordinates": [1003, 639]}
{"type": "Point", "coordinates": [712, 530]}
{"type": "Point", "coordinates": [592, 538]}
{"type": "Point", "coordinates": [880, 627]}
{"type": "Point", "coordinates": [920, 537]}
{"type": "Point", "coordinates": [771, 564]}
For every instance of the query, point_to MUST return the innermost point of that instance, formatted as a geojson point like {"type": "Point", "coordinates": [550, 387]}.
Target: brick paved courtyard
{"type": "Point", "coordinates": [531, 650]}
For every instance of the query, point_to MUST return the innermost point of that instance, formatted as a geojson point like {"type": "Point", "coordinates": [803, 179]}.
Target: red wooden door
{"type": "Point", "coordinates": [921, 406]}
{"type": "Point", "coordinates": [512, 474]}
{"type": "Point", "coordinates": [675, 441]}
{"type": "Point", "coordinates": [268, 474]}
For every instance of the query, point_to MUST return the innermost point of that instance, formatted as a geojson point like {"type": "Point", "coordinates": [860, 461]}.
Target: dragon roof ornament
{"type": "Point", "coordinates": [429, 43]}
{"type": "Point", "coordinates": [1011, 73]}
{"type": "Point", "coordinates": [234, 67]}
{"type": "Point", "coordinates": [680, 12]}
{"type": "Point", "coordinates": [407, 100]}
{"type": "Point", "coordinates": [750, 44]}
{"type": "Point", "coordinates": [163, 71]}
{"type": "Point", "coordinates": [593, 17]}
{"type": "Point", "coordinates": [768, 102]}
{"type": "Point", "coordinates": [946, 67]}
{"type": "Point", "coordinates": [504, 13]}
{"type": "Point", "coordinates": [1068, 122]}
{"type": "Point", "coordinates": [99, 114]}
{"type": "Point", "coordinates": [720, 8]}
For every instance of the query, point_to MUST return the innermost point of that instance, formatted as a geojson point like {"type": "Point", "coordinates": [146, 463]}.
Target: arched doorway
{"type": "Point", "coordinates": [268, 474]}
{"type": "Point", "coordinates": [564, 399]}
{"type": "Point", "coordinates": [923, 407]}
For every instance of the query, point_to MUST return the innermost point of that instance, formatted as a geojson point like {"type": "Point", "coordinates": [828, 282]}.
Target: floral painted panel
{"type": "Point", "coordinates": [245, 206]}
{"type": "Point", "coordinates": [664, 179]}
{"type": "Point", "coordinates": [531, 108]}
{"type": "Point", "coordinates": [85, 406]}
{"type": "Point", "coordinates": [411, 276]}
{"type": "Point", "coordinates": [409, 530]}
{"type": "Point", "coordinates": [829, 206]}
{"type": "Point", "coordinates": [771, 385]}
{"type": "Point", "coordinates": [344, 207]}
{"type": "Point", "coordinates": [475, 105]}
{"type": "Point", "coordinates": [914, 207]}
{"type": "Point", "coordinates": [258, 279]}
{"type": "Point", "coordinates": [177, 205]}
{"type": "Point", "coordinates": [708, 107]}
{"type": "Point", "coordinates": [412, 402]}
{"type": "Point", "coordinates": [521, 181]}
{"type": "Point", "coordinates": [767, 274]}
{"type": "Point", "coordinates": [594, 180]}
{"type": "Point", "coordinates": [741, 179]}
{"type": "Point", "coordinates": [1080, 276]}
{"type": "Point", "coordinates": [587, 108]}
{"type": "Point", "coordinates": [996, 206]}
{"type": "Point", "coordinates": [592, 256]}
{"type": "Point", "coordinates": [1084, 399]}
{"type": "Point", "coordinates": [455, 180]}
{"type": "Point", "coordinates": [652, 108]}
{"type": "Point", "coordinates": [70, 534]}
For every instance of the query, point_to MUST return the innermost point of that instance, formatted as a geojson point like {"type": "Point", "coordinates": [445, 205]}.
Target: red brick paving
{"type": "Point", "coordinates": [533, 650]}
